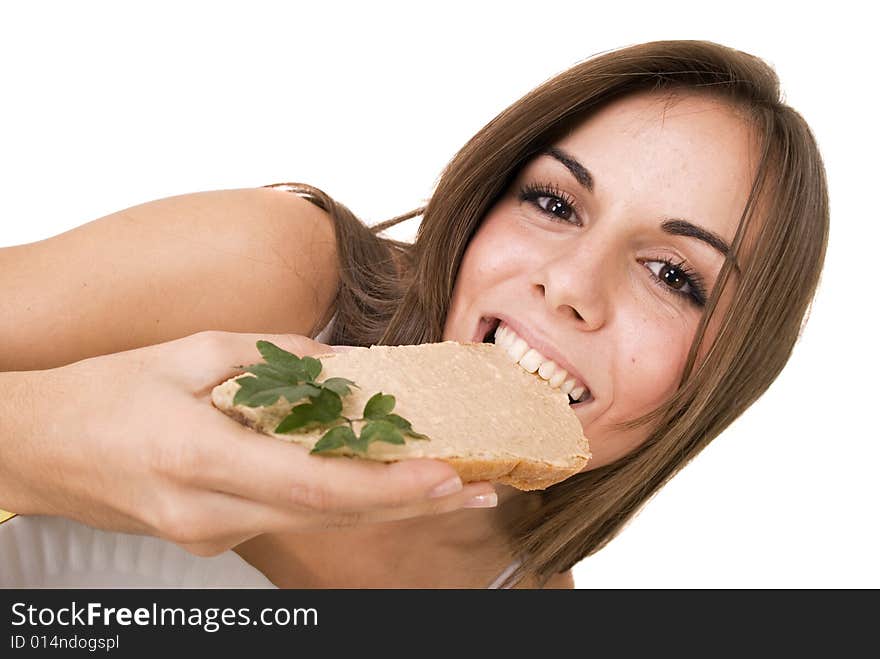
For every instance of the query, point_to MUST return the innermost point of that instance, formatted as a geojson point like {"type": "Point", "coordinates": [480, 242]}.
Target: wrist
{"type": "Point", "coordinates": [24, 420]}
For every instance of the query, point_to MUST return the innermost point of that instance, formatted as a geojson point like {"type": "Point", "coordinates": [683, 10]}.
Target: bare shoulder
{"type": "Point", "coordinates": [241, 260]}
{"type": "Point", "coordinates": [302, 237]}
{"type": "Point", "coordinates": [298, 239]}
{"type": "Point", "coordinates": [261, 259]}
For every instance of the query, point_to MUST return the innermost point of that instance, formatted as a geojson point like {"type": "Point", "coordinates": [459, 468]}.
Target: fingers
{"type": "Point", "coordinates": [208, 523]}
{"type": "Point", "coordinates": [232, 458]}
{"type": "Point", "coordinates": [218, 355]}
{"type": "Point", "coordinates": [243, 483]}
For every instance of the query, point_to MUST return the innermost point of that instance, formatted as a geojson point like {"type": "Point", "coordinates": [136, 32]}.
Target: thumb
{"type": "Point", "coordinates": [341, 348]}
{"type": "Point", "coordinates": [215, 356]}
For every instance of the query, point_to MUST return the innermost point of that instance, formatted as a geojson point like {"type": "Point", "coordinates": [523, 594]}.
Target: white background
{"type": "Point", "coordinates": [107, 105]}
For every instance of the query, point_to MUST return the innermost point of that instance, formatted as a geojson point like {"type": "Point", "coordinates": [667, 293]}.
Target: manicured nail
{"type": "Point", "coordinates": [445, 488]}
{"type": "Point", "coordinates": [483, 501]}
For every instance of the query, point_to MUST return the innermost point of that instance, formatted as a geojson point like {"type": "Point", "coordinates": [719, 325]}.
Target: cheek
{"type": "Point", "coordinates": [480, 266]}
{"type": "Point", "coordinates": [649, 360]}
{"type": "Point", "coordinates": [495, 255]}
{"type": "Point", "coordinates": [496, 251]}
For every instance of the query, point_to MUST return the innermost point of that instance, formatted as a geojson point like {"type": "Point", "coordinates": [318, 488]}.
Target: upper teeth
{"type": "Point", "coordinates": [532, 360]}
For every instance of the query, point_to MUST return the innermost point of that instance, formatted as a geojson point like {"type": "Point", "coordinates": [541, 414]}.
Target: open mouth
{"type": "Point", "coordinates": [491, 325]}
{"type": "Point", "coordinates": [488, 328]}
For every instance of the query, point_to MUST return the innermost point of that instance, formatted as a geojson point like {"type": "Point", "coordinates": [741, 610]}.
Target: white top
{"type": "Point", "coordinates": [40, 551]}
{"type": "Point", "coordinates": [324, 334]}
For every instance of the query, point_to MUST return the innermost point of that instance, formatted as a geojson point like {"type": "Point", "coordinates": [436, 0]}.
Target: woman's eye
{"type": "Point", "coordinates": [678, 279]}
{"type": "Point", "coordinates": [551, 201]}
{"type": "Point", "coordinates": [671, 276]}
{"type": "Point", "coordinates": [555, 207]}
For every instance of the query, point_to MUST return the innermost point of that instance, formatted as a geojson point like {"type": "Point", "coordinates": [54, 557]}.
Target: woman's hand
{"type": "Point", "coordinates": [131, 442]}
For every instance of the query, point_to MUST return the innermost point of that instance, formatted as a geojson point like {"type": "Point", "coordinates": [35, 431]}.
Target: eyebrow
{"type": "Point", "coordinates": [581, 173]}
{"type": "Point", "coordinates": [674, 227]}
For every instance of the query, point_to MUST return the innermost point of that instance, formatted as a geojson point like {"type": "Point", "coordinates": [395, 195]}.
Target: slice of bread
{"type": "Point", "coordinates": [486, 416]}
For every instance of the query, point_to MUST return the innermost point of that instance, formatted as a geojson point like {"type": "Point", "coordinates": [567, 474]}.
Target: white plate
{"type": "Point", "coordinates": [55, 552]}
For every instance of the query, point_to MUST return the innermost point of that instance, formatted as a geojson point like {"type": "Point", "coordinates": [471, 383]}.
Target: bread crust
{"type": "Point", "coordinates": [521, 474]}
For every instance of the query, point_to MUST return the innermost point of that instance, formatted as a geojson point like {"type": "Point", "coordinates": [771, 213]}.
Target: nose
{"type": "Point", "coordinates": [575, 290]}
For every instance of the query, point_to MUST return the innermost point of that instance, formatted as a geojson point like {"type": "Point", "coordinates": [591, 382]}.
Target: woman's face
{"type": "Point", "coordinates": [590, 255]}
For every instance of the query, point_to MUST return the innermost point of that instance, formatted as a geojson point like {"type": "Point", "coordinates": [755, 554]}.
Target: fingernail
{"type": "Point", "coordinates": [451, 486]}
{"type": "Point", "coordinates": [482, 501]}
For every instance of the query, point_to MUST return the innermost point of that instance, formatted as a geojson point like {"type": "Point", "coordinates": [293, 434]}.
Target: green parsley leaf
{"type": "Point", "coordinates": [404, 426]}
{"type": "Point", "coordinates": [328, 405]}
{"type": "Point", "coordinates": [312, 366]}
{"type": "Point", "coordinates": [335, 438]}
{"type": "Point", "coordinates": [283, 361]}
{"type": "Point", "coordinates": [285, 374]}
{"type": "Point", "coordinates": [270, 372]}
{"type": "Point", "coordinates": [325, 409]}
{"type": "Point", "coordinates": [381, 431]}
{"type": "Point", "coordinates": [263, 391]}
{"type": "Point", "coordinates": [302, 417]}
{"type": "Point", "coordinates": [358, 444]}
{"type": "Point", "coordinates": [339, 385]}
{"type": "Point", "coordinates": [378, 406]}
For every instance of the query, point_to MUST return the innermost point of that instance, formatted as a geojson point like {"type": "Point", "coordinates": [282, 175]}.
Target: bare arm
{"type": "Point", "coordinates": [248, 260]}
{"type": "Point", "coordinates": [108, 420]}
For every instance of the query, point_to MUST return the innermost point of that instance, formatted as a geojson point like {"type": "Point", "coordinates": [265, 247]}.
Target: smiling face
{"type": "Point", "coordinates": [576, 259]}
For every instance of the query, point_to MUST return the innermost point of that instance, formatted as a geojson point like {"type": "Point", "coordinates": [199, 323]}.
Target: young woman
{"type": "Point", "coordinates": [652, 221]}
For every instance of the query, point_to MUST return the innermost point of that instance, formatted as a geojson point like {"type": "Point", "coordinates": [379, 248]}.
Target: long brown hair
{"type": "Point", "coordinates": [394, 293]}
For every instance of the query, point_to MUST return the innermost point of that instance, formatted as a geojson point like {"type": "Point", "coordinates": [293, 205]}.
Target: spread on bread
{"type": "Point", "coordinates": [486, 416]}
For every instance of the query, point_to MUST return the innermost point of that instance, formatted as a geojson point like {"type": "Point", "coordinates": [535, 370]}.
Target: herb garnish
{"type": "Point", "coordinates": [285, 374]}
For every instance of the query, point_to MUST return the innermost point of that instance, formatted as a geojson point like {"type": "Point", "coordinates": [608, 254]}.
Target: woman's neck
{"type": "Point", "coordinates": [466, 548]}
